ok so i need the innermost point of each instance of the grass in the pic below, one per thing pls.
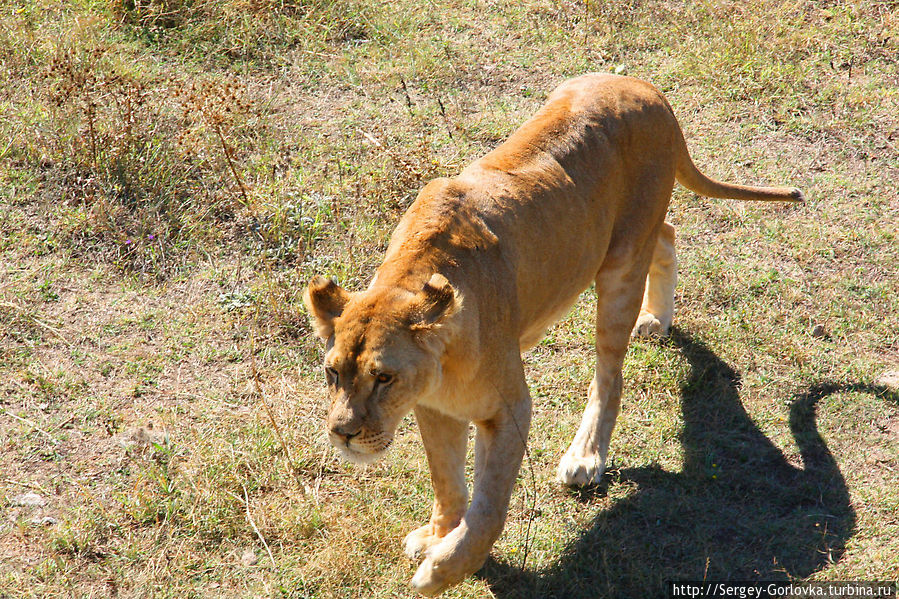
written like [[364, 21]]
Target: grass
[[173, 172]]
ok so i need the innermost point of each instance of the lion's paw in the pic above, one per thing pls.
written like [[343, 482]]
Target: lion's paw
[[445, 565], [429, 580], [417, 542], [649, 326], [579, 472]]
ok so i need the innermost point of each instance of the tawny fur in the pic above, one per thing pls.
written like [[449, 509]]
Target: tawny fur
[[478, 268]]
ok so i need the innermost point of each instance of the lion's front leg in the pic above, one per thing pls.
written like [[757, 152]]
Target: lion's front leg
[[500, 448], [445, 440]]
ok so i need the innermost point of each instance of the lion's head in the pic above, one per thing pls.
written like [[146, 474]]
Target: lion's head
[[383, 353]]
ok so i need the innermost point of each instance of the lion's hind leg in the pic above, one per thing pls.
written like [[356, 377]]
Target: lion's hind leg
[[618, 301], [657, 311]]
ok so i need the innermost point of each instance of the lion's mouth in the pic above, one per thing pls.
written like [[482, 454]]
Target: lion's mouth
[[358, 457], [357, 453]]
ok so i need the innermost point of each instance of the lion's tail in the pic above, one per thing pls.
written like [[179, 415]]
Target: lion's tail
[[690, 177]]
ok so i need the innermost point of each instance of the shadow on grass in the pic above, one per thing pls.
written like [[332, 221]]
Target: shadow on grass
[[737, 511]]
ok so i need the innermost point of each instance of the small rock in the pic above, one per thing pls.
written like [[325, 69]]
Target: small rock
[[140, 437], [877, 456], [248, 558], [889, 379], [29, 500], [817, 330], [45, 522]]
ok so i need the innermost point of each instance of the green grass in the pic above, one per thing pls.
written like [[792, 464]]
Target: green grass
[[173, 172]]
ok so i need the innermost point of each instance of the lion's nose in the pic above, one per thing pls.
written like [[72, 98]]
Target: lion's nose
[[345, 432]]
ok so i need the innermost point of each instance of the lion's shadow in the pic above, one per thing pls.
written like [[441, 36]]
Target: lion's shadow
[[738, 510]]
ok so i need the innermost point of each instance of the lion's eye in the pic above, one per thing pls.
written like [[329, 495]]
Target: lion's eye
[[383, 378], [331, 375]]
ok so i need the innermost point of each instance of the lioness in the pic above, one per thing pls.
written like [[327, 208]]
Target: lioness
[[477, 269]]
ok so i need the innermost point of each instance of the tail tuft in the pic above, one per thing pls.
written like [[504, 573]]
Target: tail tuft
[[798, 196]]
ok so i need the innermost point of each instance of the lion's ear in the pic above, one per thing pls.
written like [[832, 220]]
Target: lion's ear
[[325, 301], [436, 303]]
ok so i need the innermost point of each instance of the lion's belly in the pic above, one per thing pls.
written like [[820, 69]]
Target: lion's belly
[[559, 259], [532, 335], [537, 319]]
